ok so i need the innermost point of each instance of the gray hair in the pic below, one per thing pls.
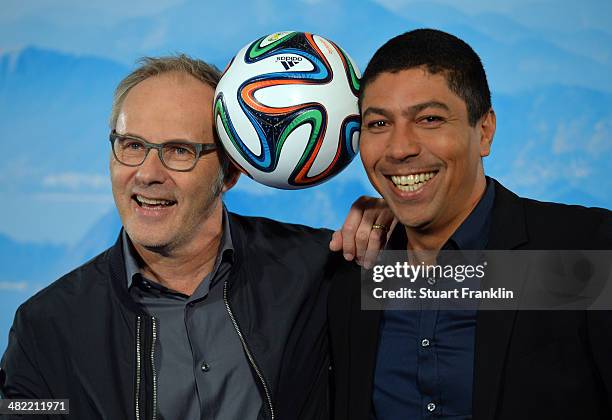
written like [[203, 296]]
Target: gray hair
[[182, 63]]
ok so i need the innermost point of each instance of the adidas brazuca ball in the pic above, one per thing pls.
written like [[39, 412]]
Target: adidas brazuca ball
[[286, 110]]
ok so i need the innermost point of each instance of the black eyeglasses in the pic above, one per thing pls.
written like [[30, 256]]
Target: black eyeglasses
[[176, 155]]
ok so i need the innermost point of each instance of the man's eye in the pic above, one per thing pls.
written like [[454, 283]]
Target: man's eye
[[180, 150], [376, 124], [431, 120], [132, 145]]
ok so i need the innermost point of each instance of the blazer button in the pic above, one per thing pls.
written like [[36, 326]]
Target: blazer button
[[205, 367]]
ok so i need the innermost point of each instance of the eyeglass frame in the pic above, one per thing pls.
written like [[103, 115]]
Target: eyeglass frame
[[200, 148]]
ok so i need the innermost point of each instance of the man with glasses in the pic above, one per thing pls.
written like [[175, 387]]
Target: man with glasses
[[195, 312]]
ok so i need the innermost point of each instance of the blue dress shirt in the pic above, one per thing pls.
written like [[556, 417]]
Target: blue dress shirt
[[425, 359]]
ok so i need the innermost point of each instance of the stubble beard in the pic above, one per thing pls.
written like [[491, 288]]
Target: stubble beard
[[167, 247]]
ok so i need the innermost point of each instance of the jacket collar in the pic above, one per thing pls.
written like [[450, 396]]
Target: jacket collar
[[118, 273], [118, 277], [508, 228], [494, 328]]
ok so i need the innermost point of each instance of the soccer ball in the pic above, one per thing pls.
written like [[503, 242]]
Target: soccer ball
[[286, 110]]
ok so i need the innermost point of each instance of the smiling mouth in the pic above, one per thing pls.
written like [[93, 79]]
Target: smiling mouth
[[412, 182], [152, 203]]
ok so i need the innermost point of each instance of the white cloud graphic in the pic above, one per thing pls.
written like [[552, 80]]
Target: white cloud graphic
[[76, 181], [74, 198], [13, 286]]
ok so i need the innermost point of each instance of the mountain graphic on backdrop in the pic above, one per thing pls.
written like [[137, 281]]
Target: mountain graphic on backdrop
[[552, 141], [526, 145]]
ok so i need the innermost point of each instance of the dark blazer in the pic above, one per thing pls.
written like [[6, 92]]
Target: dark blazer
[[528, 364], [85, 339]]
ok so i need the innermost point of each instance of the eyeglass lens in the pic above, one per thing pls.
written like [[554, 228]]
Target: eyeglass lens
[[131, 151]]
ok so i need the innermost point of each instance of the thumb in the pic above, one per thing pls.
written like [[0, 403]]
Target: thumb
[[336, 241]]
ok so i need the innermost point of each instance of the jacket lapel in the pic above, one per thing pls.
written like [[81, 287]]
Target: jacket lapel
[[363, 348], [494, 328]]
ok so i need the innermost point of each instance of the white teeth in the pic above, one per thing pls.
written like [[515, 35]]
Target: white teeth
[[152, 201], [409, 187], [412, 182]]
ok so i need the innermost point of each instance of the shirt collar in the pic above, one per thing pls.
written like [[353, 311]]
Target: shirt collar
[[131, 258], [473, 233]]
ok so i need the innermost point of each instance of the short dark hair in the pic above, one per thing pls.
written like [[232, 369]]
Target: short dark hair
[[437, 52]]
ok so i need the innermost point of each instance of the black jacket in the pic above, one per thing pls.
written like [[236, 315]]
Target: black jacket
[[528, 364], [83, 338]]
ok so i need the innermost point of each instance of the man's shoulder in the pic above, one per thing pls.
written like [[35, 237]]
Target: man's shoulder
[[72, 290], [570, 214], [548, 225], [269, 229], [303, 248], [575, 225]]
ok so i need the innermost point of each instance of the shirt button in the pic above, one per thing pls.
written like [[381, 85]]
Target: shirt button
[[431, 281], [424, 342], [431, 407], [205, 367]]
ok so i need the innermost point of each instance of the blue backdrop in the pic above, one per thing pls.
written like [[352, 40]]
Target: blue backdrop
[[549, 64]]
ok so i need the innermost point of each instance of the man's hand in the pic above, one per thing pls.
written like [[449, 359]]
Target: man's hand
[[357, 238]]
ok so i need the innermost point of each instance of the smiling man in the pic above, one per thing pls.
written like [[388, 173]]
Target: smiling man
[[427, 123], [423, 150], [195, 312], [170, 206]]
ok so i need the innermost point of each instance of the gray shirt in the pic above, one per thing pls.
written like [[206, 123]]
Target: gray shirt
[[203, 372]]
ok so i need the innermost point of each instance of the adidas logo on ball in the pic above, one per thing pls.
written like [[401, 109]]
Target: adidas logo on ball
[[288, 62]]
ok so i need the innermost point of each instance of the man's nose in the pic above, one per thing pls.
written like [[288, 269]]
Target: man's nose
[[152, 170], [403, 143]]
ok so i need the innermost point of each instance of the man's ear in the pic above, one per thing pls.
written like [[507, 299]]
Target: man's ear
[[486, 126], [231, 178]]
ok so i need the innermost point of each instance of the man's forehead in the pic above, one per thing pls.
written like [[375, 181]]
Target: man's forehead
[[417, 76], [174, 88], [415, 87], [168, 105]]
